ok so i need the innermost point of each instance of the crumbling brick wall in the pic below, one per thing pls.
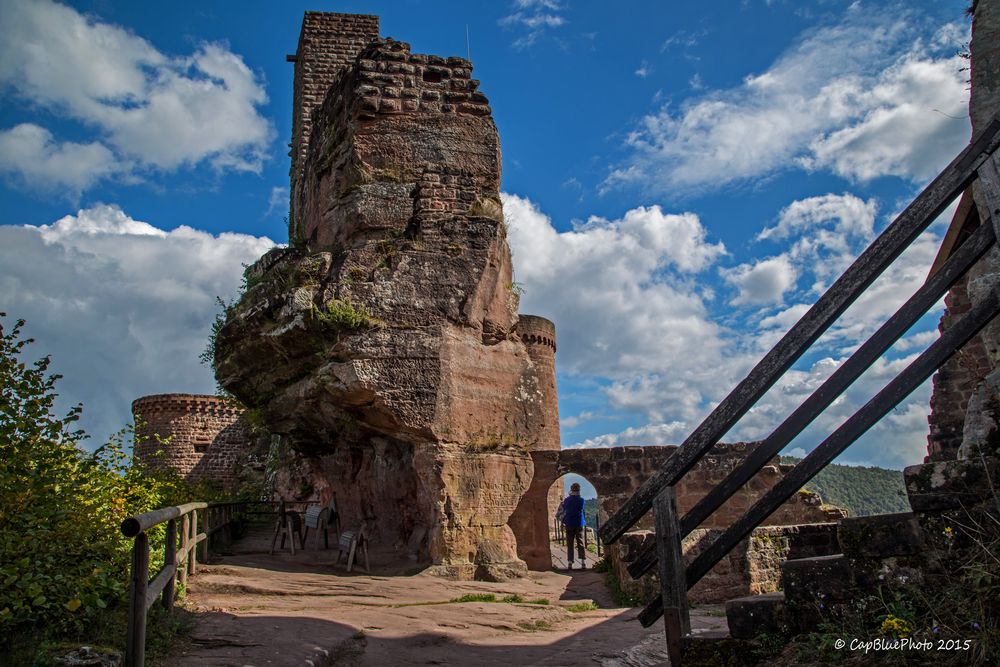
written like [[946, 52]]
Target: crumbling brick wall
[[328, 43]]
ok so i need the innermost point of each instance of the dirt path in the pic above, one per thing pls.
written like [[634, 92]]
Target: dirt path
[[255, 610]]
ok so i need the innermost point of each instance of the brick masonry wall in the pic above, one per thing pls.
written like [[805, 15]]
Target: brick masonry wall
[[208, 437], [954, 382], [328, 43], [417, 126]]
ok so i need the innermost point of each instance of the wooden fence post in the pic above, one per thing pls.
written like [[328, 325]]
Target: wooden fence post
[[185, 531], [673, 583], [192, 537], [205, 527], [135, 642], [170, 560]]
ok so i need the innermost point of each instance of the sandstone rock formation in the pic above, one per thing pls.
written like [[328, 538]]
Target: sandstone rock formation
[[384, 344]]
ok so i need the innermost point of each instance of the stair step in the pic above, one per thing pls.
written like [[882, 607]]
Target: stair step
[[755, 615], [881, 536], [719, 648], [817, 579], [950, 485]]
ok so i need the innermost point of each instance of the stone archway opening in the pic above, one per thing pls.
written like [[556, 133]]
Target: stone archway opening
[[557, 534]]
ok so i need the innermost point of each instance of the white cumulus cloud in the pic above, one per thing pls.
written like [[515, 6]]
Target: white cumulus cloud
[[866, 97], [32, 156], [761, 282], [159, 111], [123, 307]]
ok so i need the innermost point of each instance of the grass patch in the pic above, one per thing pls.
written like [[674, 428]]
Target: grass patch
[[514, 597], [581, 607], [534, 626], [476, 597]]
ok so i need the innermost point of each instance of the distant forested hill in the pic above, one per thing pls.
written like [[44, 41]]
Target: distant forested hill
[[590, 511], [861, 491]]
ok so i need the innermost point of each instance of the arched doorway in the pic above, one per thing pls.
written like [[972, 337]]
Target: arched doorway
[[593, 550]]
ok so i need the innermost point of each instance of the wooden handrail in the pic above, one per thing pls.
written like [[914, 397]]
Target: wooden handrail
[[915, 307], [178, 562], [880, 405], [979, 163], [930, 203]]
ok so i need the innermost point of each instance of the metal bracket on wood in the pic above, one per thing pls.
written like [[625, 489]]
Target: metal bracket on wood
[[986, 191]]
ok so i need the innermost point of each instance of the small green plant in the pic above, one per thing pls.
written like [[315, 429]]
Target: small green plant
[[342, 315], [476, 597], [534, 626], [542, 601], [516, 288], [581, 607], [620, 596], [513, 597], [602, 565]]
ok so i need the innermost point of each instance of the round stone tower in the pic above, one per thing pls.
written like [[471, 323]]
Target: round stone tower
[[539, 337], [208, 437]]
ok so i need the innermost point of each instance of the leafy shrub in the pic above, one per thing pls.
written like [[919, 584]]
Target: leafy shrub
[[63, 560]]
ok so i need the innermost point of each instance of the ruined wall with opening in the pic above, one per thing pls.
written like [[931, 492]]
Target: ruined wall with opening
[[617, 472], [965, 403]]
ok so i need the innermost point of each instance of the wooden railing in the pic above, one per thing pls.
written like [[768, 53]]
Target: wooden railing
[[181, 550], [979, 163]]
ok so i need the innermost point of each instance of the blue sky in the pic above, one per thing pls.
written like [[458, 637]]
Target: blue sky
[[681, 180]]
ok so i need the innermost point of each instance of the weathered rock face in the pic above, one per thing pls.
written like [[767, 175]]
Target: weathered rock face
[[384, 343]]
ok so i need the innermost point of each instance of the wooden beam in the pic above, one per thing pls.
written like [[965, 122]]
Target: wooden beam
[[673, 587], [881, 404], [865, 269], [922, 300]]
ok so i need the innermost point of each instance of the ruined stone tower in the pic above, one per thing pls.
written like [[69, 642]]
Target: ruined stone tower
[[383, 345], [207, 440], [539, 337]]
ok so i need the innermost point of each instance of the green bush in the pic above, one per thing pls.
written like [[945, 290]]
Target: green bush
[[63, 560]]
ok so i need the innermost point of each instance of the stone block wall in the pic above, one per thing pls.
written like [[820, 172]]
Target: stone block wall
[[617, 472], [208, 438], [751, 568], [955, 381], [328, 43]]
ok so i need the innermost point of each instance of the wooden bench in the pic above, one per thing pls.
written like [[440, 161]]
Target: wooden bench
[[350, 542], [322, 518]]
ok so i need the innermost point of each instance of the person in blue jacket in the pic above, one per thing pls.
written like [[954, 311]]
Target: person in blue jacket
[[572, 519]]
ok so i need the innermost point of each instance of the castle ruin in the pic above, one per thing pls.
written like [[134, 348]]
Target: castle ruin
[[383, 348]]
